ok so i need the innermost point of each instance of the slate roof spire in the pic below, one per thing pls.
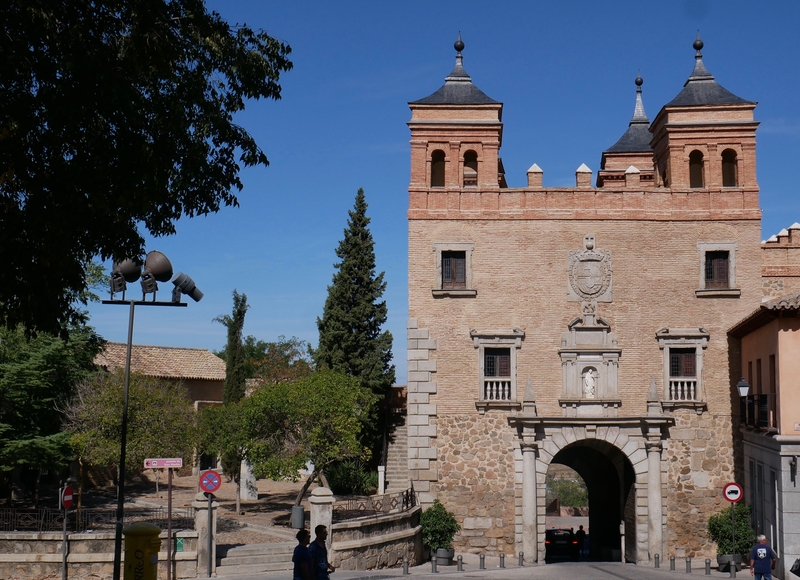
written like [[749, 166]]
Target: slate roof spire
[[637, 138], [701, 88], [458, 88]]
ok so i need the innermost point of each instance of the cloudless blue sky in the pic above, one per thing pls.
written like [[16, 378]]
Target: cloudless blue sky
[[564, 71]]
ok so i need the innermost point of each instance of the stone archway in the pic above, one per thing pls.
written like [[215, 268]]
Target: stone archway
[[626, 449], [610, 479]]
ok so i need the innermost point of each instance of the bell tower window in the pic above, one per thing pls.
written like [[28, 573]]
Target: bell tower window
[[696, 177], [730, 168], [470, 169], [437, 168]]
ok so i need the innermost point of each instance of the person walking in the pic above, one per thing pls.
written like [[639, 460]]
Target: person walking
[[580, 535], [302, 557], [762, 559], [320, 566]]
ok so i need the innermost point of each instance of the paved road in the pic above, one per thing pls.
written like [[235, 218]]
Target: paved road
[[559, 571]]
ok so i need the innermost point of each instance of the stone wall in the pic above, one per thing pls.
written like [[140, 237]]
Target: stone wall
[[476, 480], [698, 466], [91, 555], [377, 541]]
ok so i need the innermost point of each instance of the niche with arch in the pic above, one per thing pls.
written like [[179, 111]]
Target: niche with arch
[[437, 168], [696, 170]]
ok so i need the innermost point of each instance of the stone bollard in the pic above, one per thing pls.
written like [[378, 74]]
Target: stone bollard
[[521, 559], [204, 556], [733, 569], [405, 565], [482, 560], [657, 560], [460, 564], [672, 563], [708, 566], [321, 502], [688, 565], [502, 560]]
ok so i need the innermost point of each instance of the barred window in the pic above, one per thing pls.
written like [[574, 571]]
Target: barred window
[[682, 362], [497, 362], [454, 270], [717, 269]]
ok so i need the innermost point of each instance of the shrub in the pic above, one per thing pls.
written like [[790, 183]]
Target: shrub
[[351, 477], [719, 530], [439, 527]]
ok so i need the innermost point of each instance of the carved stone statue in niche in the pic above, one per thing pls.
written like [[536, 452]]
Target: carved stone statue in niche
[[589, 383], [589, 273]]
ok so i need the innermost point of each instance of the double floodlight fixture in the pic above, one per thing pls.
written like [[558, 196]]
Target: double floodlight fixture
[[157, 268]]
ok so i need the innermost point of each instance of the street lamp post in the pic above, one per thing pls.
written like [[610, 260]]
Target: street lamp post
[[157, 268]]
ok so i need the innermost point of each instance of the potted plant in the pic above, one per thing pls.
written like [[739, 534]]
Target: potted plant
[[439, 527], [720, 531]]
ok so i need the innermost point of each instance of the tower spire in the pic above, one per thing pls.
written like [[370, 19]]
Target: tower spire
[[639, 116], [700, 71]]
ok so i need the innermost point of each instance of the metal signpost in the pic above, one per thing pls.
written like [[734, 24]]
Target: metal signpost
[[210, 482], [169, 464], [65, 499], [733, 492]]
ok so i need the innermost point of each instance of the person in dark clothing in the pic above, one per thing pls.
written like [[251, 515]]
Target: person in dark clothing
[[762, 559], [302, 557], [320, 566], [580, 535]]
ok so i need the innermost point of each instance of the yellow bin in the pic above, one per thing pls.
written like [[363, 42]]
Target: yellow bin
[[141, 551]]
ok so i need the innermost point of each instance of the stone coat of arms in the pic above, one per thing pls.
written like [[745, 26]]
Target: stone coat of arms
[[589, 273]]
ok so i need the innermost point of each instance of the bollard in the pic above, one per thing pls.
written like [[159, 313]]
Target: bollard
[[688, 565], [482, 559], [521, 559], [733, 569], [502, 560], [672, 563], [405, 565], [460, 564], [708, 567], [657, 559], [433, 565]]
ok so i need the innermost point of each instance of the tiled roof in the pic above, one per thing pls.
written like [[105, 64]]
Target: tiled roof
[[457, 89], [767, 312], [164, 361]]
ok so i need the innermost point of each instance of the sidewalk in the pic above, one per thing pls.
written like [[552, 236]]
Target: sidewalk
[[512, 570]]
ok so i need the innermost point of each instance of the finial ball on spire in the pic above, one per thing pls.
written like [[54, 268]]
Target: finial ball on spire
[[459, 45], [698, 44], [639, 80]]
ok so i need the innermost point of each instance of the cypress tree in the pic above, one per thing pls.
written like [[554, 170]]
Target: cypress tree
[[235, 372], [350, 336]]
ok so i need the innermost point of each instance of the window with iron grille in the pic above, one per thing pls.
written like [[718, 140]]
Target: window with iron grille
[[682, 362], [454, 270], [717, 270], [497, 362]]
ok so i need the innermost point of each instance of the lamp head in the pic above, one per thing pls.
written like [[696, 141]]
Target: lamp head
[[157, 268], [185, 285], [743, 386], [125, 271]]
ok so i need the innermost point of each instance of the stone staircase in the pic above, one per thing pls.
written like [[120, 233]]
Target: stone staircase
[[397, 461], [255, 558]]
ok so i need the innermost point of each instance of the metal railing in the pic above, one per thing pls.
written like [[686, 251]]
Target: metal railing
[[760, 411], [82, 520], [362, 506]]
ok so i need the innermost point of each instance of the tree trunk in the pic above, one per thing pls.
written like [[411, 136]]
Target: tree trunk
[[80, 482], [323, 479], [36, 489], [239, 495], [305, 487]]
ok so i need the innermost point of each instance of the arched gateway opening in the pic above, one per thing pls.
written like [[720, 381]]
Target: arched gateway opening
[[609, 478]]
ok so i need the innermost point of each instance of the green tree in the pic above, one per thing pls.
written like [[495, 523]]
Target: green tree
[[318, 418], [115, 114], [235, 371], [571, 492], [286, 359], [223, 433], [38, 376], [161, 420], [719, 530], [350, 337]]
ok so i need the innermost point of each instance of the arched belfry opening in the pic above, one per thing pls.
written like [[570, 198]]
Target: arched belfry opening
[[609, 478]]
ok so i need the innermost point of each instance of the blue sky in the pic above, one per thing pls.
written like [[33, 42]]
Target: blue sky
[[564, 71]]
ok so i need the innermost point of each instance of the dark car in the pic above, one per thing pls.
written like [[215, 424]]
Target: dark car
[[560, 544]]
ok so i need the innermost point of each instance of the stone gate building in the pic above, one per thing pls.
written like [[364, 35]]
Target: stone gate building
[[584, 326]]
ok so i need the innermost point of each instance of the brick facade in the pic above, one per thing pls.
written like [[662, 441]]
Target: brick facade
[[668, 442]]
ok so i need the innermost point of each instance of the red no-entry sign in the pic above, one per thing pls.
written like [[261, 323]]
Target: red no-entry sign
[[66, 497], [210, 481]]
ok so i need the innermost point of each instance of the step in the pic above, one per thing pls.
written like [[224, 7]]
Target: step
[[253, 569], [263, 559], [271, 548]]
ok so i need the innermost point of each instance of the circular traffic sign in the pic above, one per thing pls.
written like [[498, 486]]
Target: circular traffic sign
[[733, 492], [66, 497], [210, 481]]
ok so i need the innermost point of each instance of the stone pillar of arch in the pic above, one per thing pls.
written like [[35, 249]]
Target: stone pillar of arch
[[655, 540], [529, 501]]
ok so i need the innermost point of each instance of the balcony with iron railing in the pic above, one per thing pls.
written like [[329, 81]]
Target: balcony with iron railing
[[760, 411]]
